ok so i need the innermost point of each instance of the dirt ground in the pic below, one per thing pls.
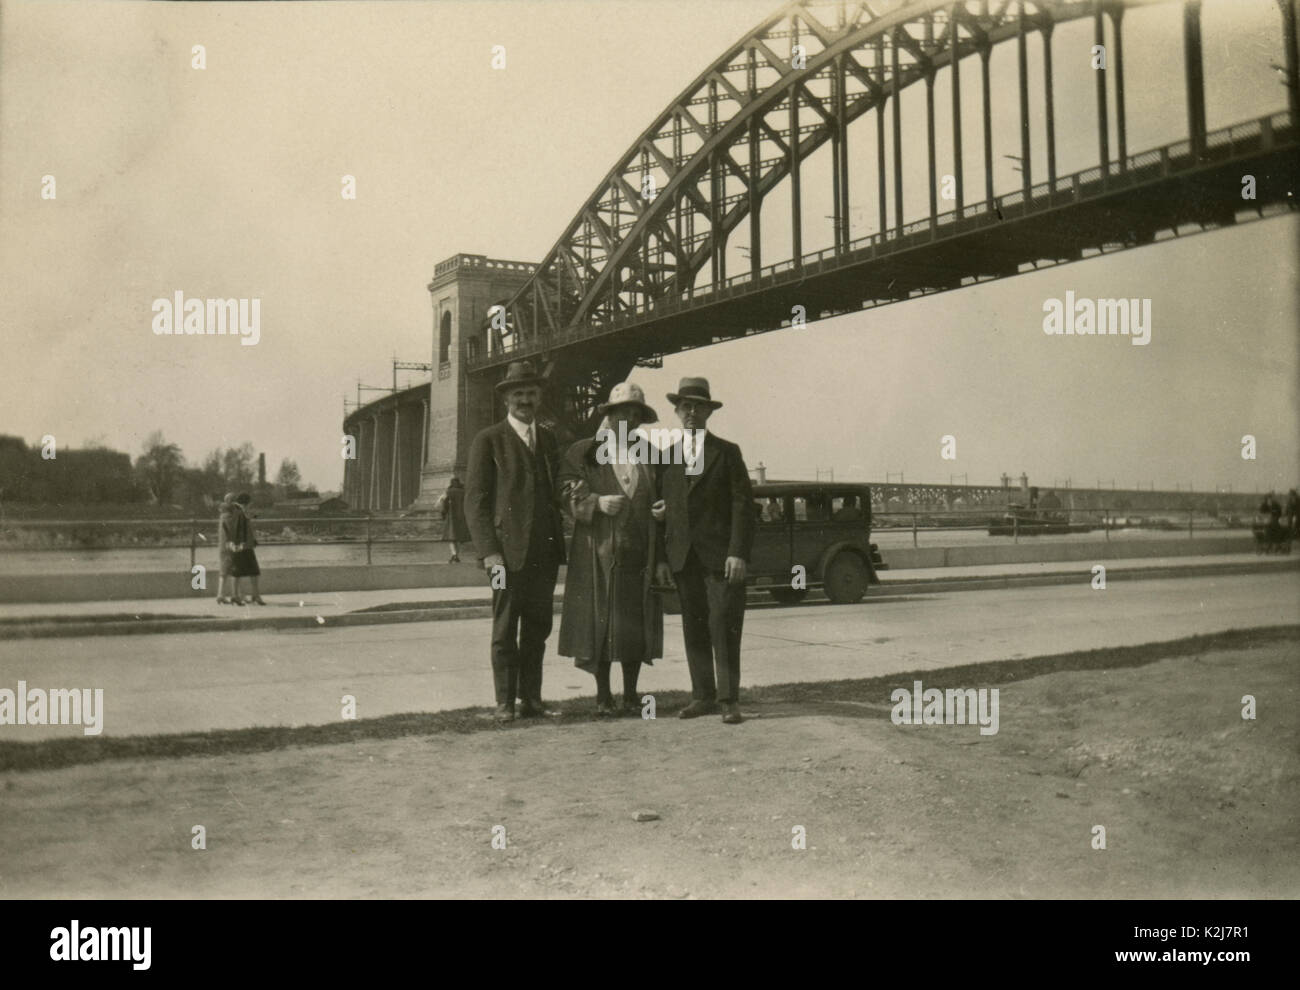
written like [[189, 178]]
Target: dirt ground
[[1195, 801]]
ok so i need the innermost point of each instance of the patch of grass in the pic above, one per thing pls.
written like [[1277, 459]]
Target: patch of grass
[[35, 620], [56, 753]]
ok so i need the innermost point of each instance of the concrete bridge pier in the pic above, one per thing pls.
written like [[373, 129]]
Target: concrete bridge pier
[[463, 289]]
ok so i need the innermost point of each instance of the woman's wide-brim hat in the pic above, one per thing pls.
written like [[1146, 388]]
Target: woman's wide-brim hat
[[520, 374], [696, 389], [629, 394]]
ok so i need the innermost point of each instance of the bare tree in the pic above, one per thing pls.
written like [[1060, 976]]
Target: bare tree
[[288, 477], [159, 467], [238, 465]]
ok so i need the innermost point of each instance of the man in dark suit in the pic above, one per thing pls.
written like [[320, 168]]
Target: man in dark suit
[[512, 507], [708, 517]]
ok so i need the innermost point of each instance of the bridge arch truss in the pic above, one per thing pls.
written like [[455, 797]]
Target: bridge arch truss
[[654, 233]]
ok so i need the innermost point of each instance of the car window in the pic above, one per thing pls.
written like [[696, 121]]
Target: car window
[[820, 507], [812, 508], [846, 508]]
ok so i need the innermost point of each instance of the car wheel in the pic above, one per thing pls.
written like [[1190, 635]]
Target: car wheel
[[846, 579], [788, 596]]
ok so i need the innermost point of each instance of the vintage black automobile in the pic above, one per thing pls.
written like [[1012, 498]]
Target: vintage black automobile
[[824, 528]]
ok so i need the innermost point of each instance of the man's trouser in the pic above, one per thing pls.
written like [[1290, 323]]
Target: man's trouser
[[522, 613], [713, 614]]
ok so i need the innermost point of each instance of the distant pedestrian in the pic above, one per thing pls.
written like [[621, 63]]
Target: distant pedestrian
[[1270, 507], [1293, 513], [1269, 532], [245, 560], [228, 514], [455, 530]]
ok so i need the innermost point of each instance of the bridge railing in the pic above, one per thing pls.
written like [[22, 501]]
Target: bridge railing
[[390, 538], [1258, 133], [361, 530], [1051, 522]]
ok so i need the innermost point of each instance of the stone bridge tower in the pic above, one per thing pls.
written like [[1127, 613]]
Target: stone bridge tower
[[463, 288]]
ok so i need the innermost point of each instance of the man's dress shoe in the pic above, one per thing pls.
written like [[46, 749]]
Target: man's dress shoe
[[532, 709]]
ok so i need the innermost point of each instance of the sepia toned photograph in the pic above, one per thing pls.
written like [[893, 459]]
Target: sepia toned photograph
[[650, 450]]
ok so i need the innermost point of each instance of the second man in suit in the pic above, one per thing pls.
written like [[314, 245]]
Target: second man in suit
[[513, 511], [708, 519]]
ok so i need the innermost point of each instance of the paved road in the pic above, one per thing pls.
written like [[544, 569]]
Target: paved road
[[198, 681]]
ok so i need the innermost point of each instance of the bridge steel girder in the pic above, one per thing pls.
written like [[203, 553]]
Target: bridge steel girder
[[599, 272], [1291, 47], [1000, 248], [1195, 75], [1099, 73], [680, 196]]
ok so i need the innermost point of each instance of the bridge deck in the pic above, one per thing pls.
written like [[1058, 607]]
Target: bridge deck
[[1076, 216]]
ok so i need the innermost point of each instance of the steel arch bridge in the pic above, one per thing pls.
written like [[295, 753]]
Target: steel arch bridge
[[641, 270]]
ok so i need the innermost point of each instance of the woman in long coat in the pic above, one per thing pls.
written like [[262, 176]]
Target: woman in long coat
[[244, 559], [225, 549], [455, 528], [610, 613]]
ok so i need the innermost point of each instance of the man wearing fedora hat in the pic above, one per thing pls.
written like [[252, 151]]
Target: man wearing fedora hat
[[512, 508], [708, 519]]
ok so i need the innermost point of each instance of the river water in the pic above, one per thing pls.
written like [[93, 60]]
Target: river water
[[132, 559]]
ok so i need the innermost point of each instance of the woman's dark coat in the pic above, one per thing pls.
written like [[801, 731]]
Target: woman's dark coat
[[610, 613], [245, 561], [454, 527]]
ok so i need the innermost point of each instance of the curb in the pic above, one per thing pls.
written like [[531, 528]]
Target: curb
[[975, 583], [54, 629]]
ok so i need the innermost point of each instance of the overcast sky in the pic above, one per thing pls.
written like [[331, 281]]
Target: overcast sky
[[225, 182]]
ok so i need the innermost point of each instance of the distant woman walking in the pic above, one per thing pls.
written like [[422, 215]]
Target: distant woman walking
[[225, 549], [244, 559], [455, 530]]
